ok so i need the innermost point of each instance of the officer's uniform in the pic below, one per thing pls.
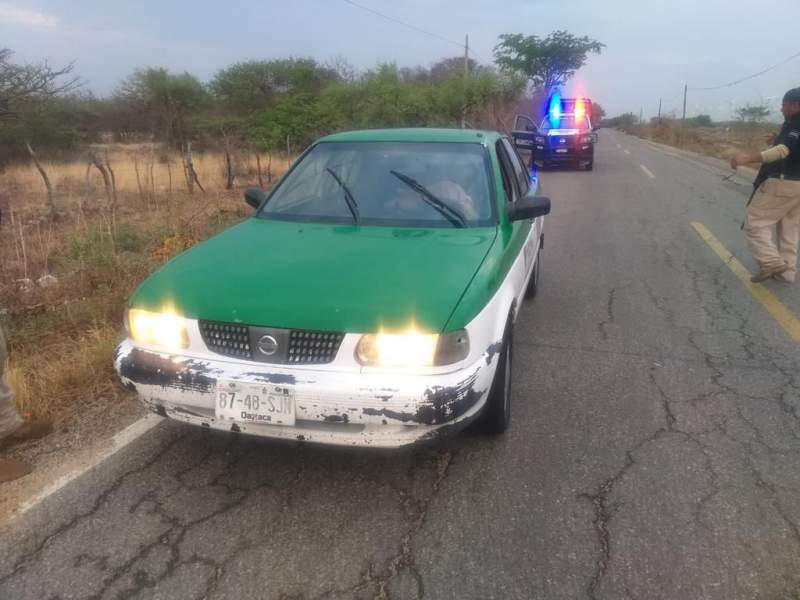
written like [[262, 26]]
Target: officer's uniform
[[777, 202]]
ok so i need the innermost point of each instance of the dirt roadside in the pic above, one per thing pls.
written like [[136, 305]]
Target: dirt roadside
[[73, 447]]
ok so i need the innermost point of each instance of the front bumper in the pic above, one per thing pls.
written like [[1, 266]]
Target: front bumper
[[549, 156], [332, 407]]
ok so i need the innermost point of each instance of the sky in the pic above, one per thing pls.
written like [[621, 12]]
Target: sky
[[654, 47]]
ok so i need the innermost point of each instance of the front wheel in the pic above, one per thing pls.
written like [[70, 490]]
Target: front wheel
[[497, 412]]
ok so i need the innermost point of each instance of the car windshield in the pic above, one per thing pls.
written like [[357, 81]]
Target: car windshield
[[399, 184], [565, 122]]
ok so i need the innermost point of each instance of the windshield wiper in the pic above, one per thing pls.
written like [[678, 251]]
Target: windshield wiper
[[348, 196], [451, 214]]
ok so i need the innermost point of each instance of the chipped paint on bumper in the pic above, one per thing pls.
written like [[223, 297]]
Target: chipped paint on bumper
[[343, 408]]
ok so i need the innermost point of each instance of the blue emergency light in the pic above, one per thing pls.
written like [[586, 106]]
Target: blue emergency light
[[555, 109]]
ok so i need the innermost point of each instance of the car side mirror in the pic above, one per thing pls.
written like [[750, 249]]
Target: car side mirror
[[595, 129], [529, 207], [254, 196]]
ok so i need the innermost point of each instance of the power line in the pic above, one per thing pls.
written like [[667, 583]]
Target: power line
[[749, 77], [410, 26]]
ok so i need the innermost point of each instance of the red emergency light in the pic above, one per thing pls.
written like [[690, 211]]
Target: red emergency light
[[580, 109]]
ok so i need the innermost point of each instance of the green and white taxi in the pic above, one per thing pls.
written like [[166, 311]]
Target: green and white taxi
[[370, 300]]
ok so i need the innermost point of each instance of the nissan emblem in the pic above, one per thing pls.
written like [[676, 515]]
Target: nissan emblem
[[267, 345]]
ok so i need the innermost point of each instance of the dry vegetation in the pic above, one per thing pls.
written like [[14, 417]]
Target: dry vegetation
[[62, 329], [721, 141]]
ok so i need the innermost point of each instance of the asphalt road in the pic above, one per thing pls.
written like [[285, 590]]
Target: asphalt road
[[654, 450]]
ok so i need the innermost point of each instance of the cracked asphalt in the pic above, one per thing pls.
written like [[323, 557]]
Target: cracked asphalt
[[654, 450]]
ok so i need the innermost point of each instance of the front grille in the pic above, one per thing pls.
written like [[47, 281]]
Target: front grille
[[313, 347], [227, 338], [294, 346]]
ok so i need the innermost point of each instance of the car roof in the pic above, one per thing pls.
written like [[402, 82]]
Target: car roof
[[415, 134]]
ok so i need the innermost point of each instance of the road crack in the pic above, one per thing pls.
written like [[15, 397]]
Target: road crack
[[404, 558]]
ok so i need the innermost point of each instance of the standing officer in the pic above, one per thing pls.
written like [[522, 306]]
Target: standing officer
[[776, 199]]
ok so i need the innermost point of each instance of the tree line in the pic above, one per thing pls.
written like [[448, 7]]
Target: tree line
[[279, 104]]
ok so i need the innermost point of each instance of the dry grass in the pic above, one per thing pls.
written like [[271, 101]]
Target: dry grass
[[138, 168], [61, 338], [720, 141]]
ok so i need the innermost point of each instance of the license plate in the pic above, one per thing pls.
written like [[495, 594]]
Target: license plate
[[255, 403], [561, 150]]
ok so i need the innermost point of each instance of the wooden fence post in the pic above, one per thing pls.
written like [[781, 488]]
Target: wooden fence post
[[188, 168], [51, 207], [258, 168], [111, 195]]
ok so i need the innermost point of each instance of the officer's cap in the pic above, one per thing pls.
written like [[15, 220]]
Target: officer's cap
[[792, 95]]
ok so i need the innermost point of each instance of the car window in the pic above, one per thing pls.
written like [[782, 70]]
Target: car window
[[507, 171], [391, 183], [520, 172]]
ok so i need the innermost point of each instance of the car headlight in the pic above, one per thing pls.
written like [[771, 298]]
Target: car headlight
[[412, 349], [587, 139], [162, 329], [539, 139]]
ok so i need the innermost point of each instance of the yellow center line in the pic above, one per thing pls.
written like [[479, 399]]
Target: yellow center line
[[785, 317]]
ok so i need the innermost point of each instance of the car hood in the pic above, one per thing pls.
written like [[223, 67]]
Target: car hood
[[318, 276]]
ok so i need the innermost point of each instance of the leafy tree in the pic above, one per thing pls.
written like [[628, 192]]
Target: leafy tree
[[701, 121], [598, 114], [164, 99], [383, 97], [623, 120], [254, 84], [450, 67], [289, 121], [546, 62], [752, 113]]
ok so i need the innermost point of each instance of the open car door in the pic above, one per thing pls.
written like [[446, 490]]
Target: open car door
[[523, 132]]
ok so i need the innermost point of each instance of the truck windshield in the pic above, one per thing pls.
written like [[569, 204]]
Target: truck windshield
[[397, 184], [565, 122]]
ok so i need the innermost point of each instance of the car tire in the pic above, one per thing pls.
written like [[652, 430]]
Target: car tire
[[497, 412], [533, 282]]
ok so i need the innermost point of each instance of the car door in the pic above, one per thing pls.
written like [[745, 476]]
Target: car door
[[517, 233], [523, 132], [523, 179]]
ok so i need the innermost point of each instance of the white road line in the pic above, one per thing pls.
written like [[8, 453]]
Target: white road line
[[627, 151], [647, 172], [128, 435]]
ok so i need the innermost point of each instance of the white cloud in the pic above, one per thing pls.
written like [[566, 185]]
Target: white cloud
[[23, 16]]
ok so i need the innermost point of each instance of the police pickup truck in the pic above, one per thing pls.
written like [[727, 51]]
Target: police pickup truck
[[565, 135]]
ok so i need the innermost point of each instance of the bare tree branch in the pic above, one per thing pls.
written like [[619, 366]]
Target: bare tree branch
[[21, 83]]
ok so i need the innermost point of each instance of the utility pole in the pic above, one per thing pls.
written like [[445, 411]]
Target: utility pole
[[683, 118], [466, 82], [641, 115], [659, 110], [685, 89]]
